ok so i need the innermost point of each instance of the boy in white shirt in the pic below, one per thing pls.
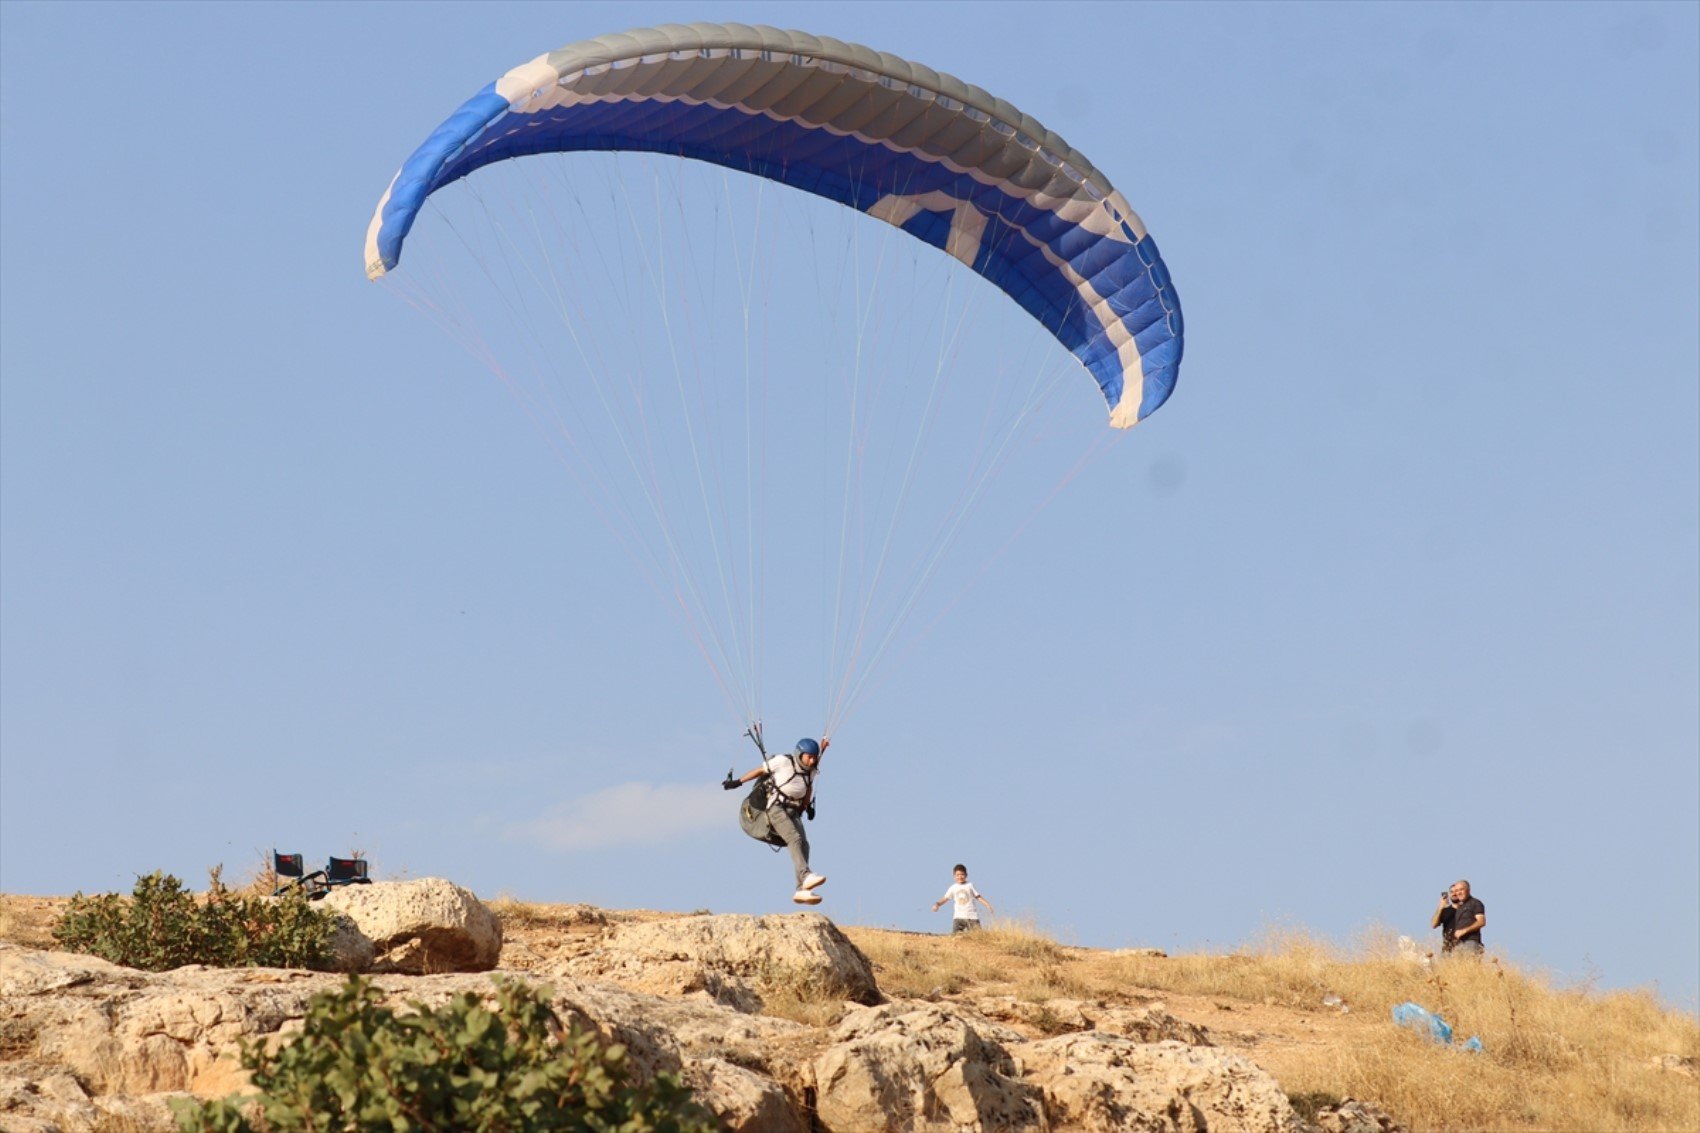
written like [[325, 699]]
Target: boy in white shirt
[[964, 917]]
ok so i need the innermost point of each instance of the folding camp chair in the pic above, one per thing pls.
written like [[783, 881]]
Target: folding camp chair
[[289, 866], [347, 871]]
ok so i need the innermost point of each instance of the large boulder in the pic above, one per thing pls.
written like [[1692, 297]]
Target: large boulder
[[744, 1101], [1108, 1084], [424, 927], [734, 959], [920, 1066]]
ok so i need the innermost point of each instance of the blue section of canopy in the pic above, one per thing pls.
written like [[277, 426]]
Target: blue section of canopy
[[1022, 250], [420, 175]]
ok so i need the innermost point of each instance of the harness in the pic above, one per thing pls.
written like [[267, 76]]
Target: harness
[[775, 797], [764, 796]]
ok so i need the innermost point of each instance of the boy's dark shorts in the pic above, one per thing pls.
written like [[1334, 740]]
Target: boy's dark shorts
[[962, 924]]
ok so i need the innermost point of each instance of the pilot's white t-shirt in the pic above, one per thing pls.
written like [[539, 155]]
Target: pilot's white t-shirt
[[788, 779]]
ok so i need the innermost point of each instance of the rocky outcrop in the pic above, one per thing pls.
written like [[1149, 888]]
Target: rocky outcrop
[[422, 927], [86, 1045], [83, 1038], [46, 1099]]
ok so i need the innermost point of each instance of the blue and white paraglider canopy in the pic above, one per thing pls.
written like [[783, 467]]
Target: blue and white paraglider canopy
[[943, 160]]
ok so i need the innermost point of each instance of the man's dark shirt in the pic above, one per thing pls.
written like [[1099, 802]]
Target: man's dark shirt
[[1462, 916]]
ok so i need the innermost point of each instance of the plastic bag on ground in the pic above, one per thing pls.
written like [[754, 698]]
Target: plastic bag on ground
[[1422, 1021], [1425, 1022]]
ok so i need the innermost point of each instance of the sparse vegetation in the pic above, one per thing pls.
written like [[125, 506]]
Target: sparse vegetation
[[462, 1067], [162, 925]]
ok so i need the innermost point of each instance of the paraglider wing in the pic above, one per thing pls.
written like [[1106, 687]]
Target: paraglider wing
[[942, 160]]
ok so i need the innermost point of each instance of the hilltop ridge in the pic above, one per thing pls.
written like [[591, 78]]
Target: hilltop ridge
[[772, 1022]]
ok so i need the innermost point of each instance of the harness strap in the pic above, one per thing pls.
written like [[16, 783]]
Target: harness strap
[[778, 798]]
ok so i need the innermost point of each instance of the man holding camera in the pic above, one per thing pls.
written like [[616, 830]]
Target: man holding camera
[[1460, 918]]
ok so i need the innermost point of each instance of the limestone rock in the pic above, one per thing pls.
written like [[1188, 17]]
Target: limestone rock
[[1674, 1064], [916, 1066], [1355, 1117], [38, 1098], [351, 949], [89, 1045], [1149, 1023], [734, 959], [744, 1101], [1108, 1084], [422, 927], [35, 1098], [123, 1032]]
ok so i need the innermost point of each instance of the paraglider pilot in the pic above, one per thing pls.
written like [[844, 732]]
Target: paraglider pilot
[[790, 795]]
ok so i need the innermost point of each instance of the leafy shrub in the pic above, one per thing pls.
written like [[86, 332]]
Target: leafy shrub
[[458, 1068], [161, 925]]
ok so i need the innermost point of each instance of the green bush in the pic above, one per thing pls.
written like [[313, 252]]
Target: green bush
[[460, 1068], [161, 925]]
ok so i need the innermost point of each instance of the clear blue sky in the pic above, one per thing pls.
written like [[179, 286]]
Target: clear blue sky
[[1406, 577]]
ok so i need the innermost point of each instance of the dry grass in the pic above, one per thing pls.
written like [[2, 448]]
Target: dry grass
[[263, 879], [907, 970], [28, 921], [802, 995], [1555, 1058], [1023, 940], [1014, 959], [512, 911]]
